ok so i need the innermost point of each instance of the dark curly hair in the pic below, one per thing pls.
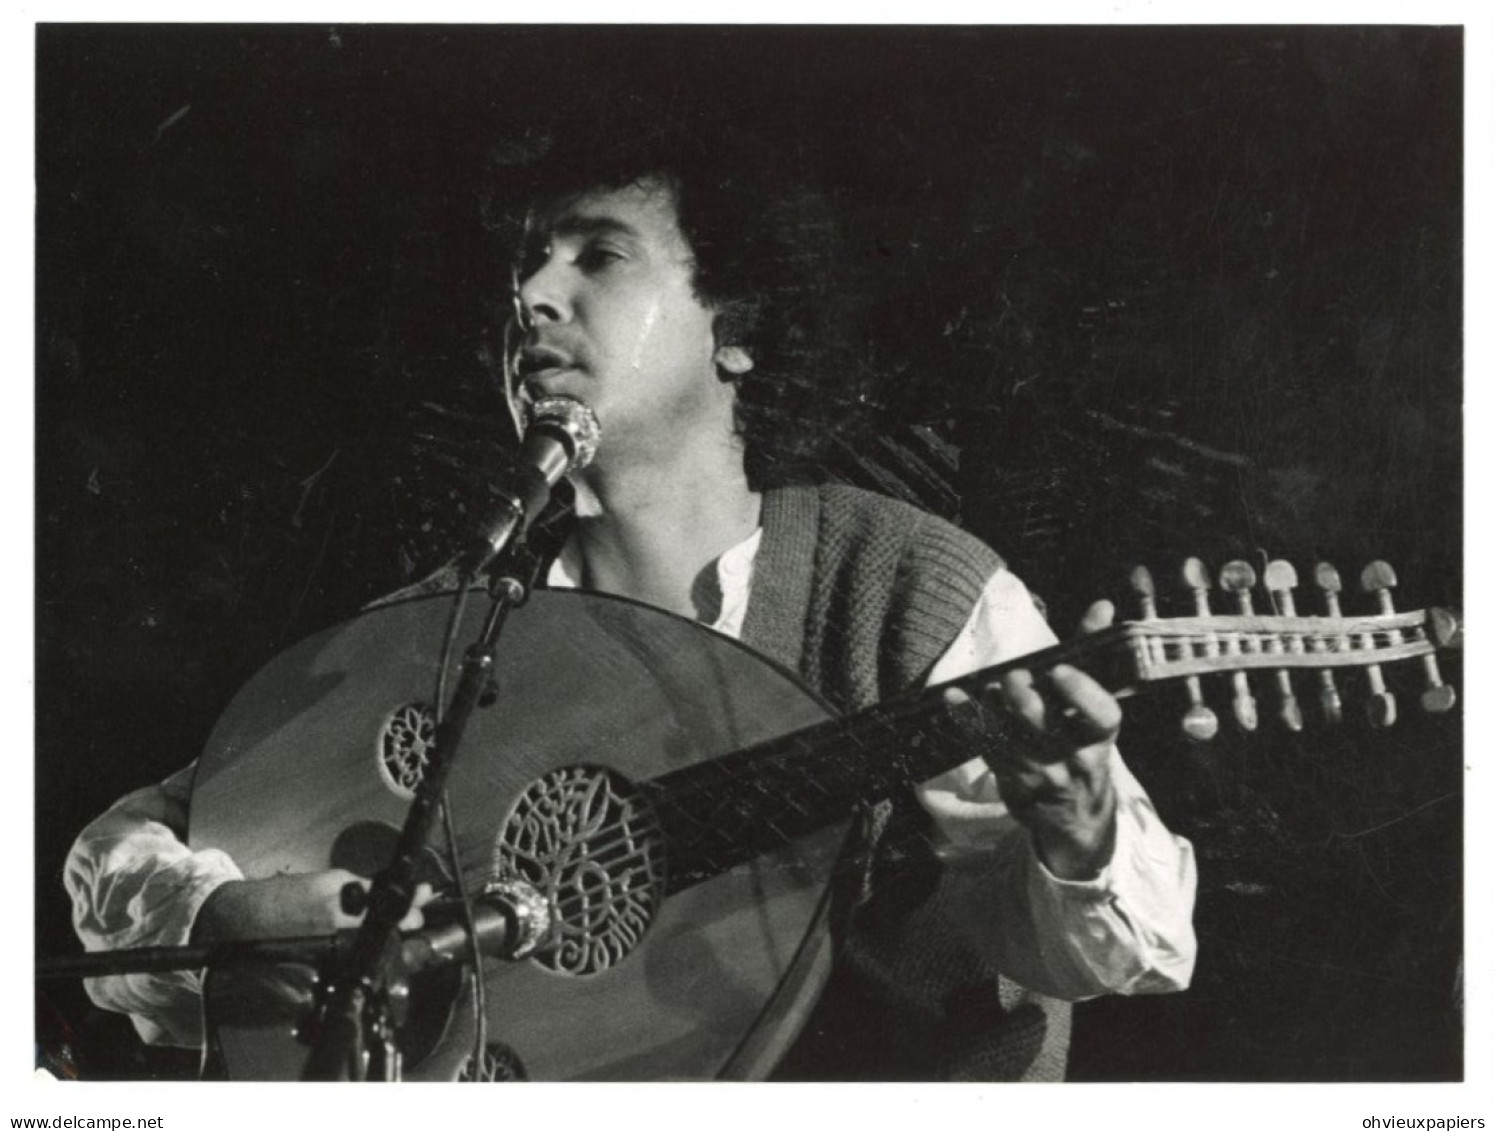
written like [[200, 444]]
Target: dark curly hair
[[767, 262]]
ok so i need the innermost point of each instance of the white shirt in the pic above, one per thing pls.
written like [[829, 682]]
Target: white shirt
[[134, 882]]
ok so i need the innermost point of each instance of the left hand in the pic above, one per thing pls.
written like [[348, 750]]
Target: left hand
[[1051, 736]]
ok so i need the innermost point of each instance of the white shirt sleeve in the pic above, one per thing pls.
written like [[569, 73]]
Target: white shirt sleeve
[[134, 882], [1130, 929]]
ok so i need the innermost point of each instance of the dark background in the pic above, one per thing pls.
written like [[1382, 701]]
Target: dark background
[[1135, 294]]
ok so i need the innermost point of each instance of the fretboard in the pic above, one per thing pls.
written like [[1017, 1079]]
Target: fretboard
[[722, 812]]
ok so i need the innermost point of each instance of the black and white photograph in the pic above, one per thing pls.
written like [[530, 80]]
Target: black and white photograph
[[841, 553]]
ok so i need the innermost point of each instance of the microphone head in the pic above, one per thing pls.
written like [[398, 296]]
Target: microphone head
[[572, 418]]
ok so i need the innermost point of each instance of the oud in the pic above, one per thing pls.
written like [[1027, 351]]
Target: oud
[[676, 801]]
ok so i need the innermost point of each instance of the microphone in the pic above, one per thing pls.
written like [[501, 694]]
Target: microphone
[[561, 435], [511, 919]]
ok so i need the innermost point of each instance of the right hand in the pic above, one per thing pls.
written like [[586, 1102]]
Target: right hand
[[288, 906], [278, 907]]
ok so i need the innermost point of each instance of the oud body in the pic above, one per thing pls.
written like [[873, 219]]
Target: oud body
[[653, 974]]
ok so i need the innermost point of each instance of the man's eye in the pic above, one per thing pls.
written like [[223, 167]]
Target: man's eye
[[595, 256]]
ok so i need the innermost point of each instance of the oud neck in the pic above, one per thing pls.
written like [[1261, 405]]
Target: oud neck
[[730, 809]]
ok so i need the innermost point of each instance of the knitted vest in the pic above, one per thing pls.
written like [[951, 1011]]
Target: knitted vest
[[859, 593], [862, 595]]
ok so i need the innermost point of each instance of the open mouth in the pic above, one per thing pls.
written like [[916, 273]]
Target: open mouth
[[535, 363], [543, 371]]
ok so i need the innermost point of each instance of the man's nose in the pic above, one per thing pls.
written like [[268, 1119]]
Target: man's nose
[[541, 296]]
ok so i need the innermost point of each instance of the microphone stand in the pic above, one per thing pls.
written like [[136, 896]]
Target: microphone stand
[[357, 997], [420, 950], [309, 950], [367, 988], [562, 435]]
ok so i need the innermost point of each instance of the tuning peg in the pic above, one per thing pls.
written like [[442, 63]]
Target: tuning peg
[[1197, 579], [1140, 579], [1437, 697], [1281, 579], [1326, 577], [1238, 577], [1379, 578], [1199, 721], [1443, 630]]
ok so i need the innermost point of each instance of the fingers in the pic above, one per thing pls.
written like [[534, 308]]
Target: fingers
[[1047, 739], [1026, 718], [1091, 714], [955, 697], [342, 895], [1097, 616], [1062, 711], [277, 906], [1018, 691], [414, 919], [352, 904]]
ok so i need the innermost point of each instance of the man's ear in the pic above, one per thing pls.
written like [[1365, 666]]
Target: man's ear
[[733, 360]]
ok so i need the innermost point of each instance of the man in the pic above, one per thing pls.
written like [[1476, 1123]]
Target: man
[[656, 287]]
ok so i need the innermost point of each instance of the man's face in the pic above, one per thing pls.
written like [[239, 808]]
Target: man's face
[[608, 315]]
